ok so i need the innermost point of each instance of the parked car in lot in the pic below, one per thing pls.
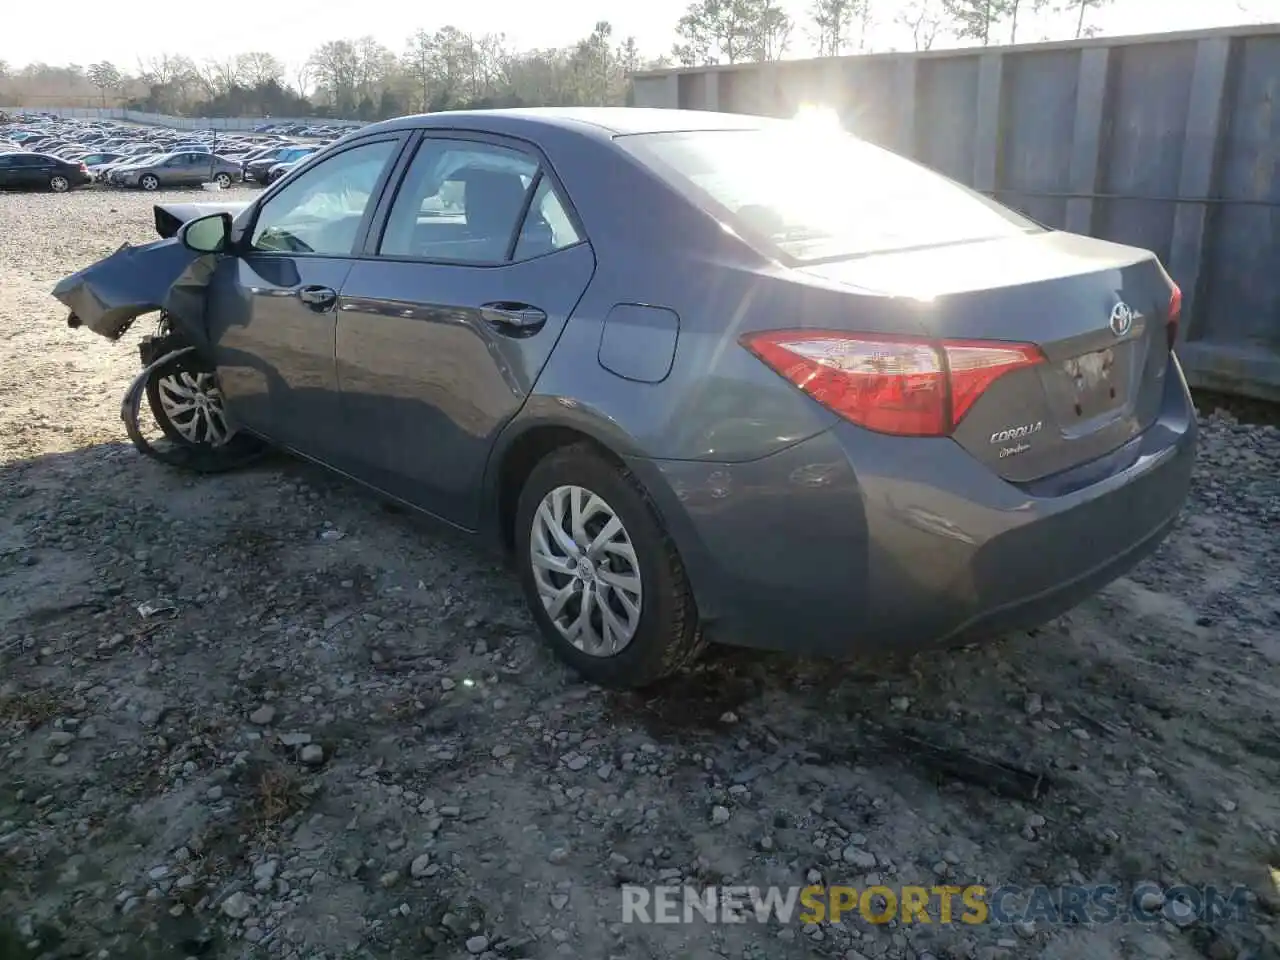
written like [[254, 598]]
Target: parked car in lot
[[110, 173], [259, 168], [872, 411], [180, 169], [38, 171]]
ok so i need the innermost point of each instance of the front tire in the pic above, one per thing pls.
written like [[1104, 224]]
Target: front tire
[[187, 405], [149, 182], [59, 184], [602, 578]]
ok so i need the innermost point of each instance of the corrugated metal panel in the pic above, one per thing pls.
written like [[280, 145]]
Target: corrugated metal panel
[[1242, 282]]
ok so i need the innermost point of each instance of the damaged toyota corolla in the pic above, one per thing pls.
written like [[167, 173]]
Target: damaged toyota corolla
[[862, 408]]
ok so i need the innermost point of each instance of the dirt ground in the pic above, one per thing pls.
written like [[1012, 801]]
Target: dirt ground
[[345, 739]]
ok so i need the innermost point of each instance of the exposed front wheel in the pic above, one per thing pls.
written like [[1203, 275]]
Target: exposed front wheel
[[223, 180], [602, 578], [149, 182], [59, 184]]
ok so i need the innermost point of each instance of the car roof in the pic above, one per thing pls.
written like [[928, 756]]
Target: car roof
[[603, 122]]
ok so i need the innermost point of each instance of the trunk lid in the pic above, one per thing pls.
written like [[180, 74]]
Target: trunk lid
[[1102, 382]]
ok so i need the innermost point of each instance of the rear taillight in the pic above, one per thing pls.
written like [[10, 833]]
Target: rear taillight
[[908, 386], [1175, 314]]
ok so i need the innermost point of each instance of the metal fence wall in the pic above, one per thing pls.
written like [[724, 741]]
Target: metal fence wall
[[1170, 142]]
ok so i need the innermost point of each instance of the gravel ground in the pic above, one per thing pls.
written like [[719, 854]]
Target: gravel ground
[[344, 739]]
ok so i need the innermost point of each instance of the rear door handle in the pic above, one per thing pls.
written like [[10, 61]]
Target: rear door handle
[[318, 298], [514, 317]]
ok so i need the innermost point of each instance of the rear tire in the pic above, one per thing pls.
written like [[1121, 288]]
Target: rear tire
[[633, 574], [59, 183], [223, 180]]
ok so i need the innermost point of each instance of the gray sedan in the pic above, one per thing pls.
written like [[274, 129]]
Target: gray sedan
[[704, 376], [182, 170]]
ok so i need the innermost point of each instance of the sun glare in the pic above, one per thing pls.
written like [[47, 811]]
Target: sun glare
[[819, 118]]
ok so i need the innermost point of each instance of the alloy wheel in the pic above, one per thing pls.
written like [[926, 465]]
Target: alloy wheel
[[586, 570], [59, 184], [223, 181], [149, 183], [193, 404]]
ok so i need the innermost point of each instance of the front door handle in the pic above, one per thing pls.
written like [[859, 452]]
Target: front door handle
[[514, 317], [318, 298]]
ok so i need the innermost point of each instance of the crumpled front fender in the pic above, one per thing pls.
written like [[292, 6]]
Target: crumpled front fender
[[109, 295]]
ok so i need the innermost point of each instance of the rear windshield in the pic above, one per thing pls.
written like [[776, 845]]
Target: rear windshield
[[821, 195]]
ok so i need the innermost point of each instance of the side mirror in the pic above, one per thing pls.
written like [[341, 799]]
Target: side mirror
[[211, 234]]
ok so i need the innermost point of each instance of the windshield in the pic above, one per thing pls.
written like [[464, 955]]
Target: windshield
[[821, 195]]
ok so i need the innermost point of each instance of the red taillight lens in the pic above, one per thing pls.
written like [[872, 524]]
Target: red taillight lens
[[908, 386], [1175, 314]]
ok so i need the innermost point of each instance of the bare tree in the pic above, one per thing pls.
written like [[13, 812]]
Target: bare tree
[[105, 76], [1016, 7], [1080, 10], [256, 69], [924, 19], [977, 19], [773, 32], [834, 19]]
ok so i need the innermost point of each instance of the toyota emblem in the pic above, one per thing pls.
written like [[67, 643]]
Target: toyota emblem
[[1121, 319]]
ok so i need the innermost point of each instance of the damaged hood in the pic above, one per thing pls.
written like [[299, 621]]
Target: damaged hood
[[109, 295]]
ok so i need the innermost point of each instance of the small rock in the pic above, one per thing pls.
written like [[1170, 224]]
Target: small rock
[[500, 751], [728, 717], [1226, 806], [237, 906], [1033, 705], [559, 901], [312, 754], [266, 871], [59, 759], [558, 855], [1151, 900], [447, 684], [576, 762], [389, 879], [263, 715], [1080, 733], [477, 945], [719, 815], [60, 738], [863, 859], [418, 868], [900, 704], [604, 771]]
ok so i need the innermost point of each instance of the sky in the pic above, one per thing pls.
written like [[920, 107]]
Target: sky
[[85, 35]]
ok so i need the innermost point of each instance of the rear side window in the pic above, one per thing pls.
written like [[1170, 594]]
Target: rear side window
[[461, 201], [820, 195]]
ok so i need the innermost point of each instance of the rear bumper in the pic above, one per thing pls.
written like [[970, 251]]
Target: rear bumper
[[853, 541]]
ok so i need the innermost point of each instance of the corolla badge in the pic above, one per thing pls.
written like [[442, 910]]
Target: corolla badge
[[1121, 319], [1017, 433]]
